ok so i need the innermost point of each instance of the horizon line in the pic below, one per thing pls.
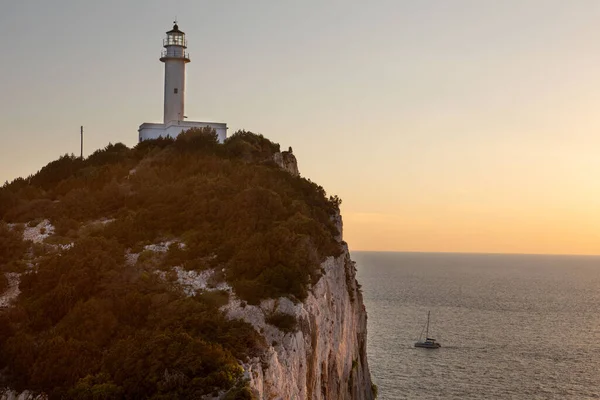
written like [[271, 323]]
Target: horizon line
[[476, 253]]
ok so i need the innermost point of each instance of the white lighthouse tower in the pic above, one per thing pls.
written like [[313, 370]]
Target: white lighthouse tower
[[175, 58]]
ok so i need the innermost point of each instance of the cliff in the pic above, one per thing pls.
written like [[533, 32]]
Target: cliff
[[178, 269], [326, 358]]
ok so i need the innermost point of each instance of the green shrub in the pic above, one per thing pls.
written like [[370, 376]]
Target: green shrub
[[12, 246], [3, 282], [285, 322], [111, 154], [241, 392], [374, 390], [197, 140], [58, 240], [248, 145], [64, 226], [63, 168], [147, 146], [8, 200], [216, 298], [27, 210]]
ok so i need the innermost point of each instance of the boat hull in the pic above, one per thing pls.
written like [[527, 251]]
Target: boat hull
[[428, 345]]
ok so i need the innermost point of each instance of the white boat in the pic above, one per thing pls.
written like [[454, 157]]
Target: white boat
[[428, 343]]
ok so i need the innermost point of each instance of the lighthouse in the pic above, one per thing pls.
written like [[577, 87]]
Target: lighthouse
[[175, 57]]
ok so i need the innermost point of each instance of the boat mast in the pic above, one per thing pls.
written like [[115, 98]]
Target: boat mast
[[427, 329]]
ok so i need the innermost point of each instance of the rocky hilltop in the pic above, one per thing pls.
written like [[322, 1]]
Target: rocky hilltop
[[178, 269]]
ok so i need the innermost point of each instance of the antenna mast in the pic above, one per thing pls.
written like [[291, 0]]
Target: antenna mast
[[81, 156]]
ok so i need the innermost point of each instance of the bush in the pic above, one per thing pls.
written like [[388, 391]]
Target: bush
[[249, 146], [216, 299], [8, 200], [285, 322], [111, 154], [241, 392], [3, 282], [64, 226], [374, 390], [12, 246], [147, 146], [27, 210], [197, 140], [63, 168]]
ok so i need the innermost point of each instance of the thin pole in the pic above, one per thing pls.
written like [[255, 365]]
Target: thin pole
[[81, 142]]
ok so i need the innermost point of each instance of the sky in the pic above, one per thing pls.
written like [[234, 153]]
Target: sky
[[444, 125]]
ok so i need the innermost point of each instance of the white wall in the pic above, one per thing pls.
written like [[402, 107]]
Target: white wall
[[174, 79], [154, 131]]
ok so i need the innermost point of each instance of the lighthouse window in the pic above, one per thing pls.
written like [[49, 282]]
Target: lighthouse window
[[176, 90]]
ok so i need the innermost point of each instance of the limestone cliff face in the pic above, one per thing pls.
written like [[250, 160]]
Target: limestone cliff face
[[326, 357]]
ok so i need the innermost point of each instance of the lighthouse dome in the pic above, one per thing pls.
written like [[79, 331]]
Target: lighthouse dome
[[176, 30]]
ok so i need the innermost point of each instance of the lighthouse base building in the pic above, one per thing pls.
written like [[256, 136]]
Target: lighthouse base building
[[150, 130], [175, 58]]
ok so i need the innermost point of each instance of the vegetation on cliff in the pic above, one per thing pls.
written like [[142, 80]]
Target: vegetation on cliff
[[91, 325]]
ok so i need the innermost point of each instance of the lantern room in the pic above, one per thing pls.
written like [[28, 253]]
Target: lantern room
[[175, 37], [175, 45]]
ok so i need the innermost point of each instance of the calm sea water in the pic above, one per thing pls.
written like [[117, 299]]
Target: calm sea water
[[511, 326]]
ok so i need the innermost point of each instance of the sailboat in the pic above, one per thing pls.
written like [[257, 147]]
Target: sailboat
[[429, 343]]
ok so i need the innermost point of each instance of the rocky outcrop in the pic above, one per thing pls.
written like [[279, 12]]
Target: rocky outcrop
[[12, 292], [287, 161], [10, 395], [325, 357]]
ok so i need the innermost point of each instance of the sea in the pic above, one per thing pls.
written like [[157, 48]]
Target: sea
[[510, 326]]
